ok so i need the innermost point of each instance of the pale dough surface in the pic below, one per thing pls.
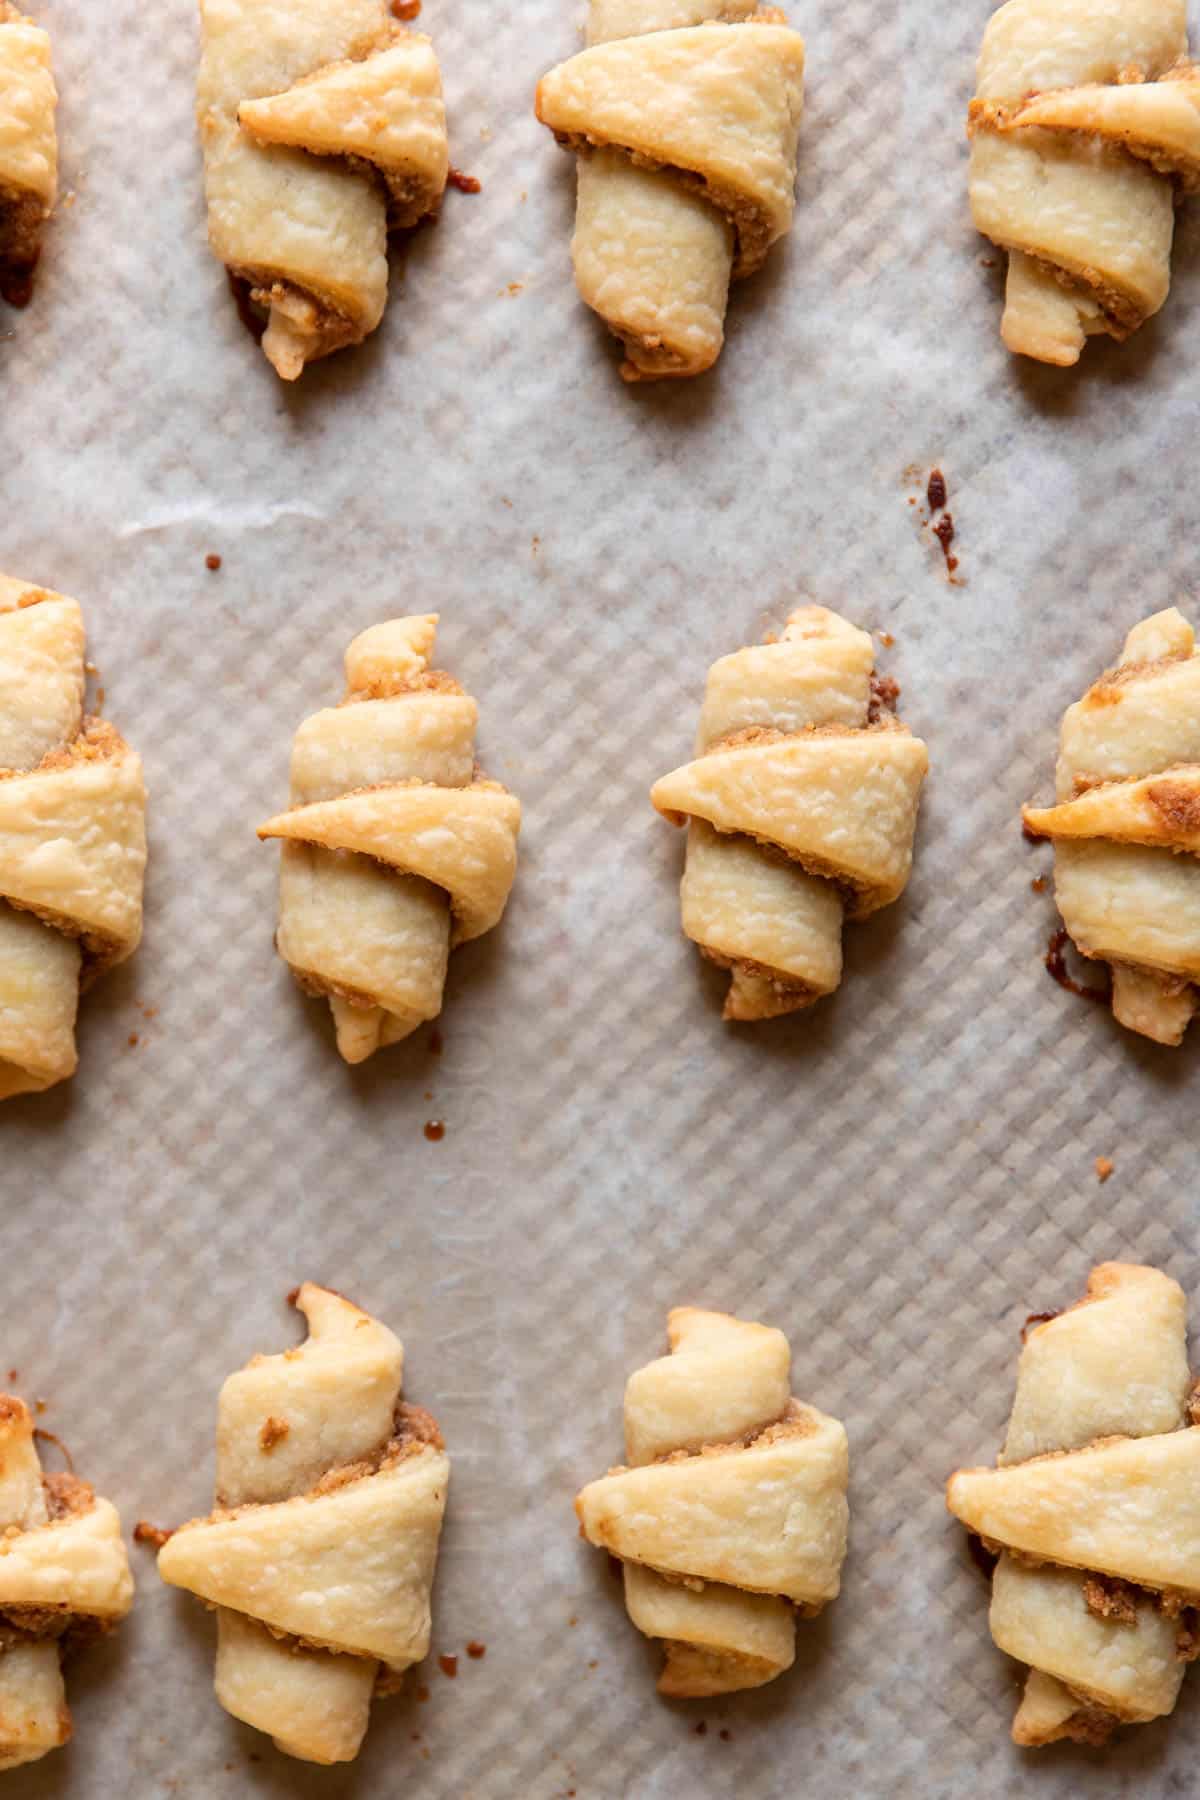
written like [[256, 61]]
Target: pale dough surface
[[61, 1549], [1094, 1475], [1086, 117], [687, 115], [395, 848], [320, 1554], [733, 1504], [1126, 829], [801, 806], [315, 121], [72, 838]]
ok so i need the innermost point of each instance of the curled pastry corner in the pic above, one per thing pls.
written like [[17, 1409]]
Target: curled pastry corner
[[322, 129], [28, 149], [801, 809], [1126, 826], [1085, 130], [685, 115], [1092, 1511], [320, 1553], [64, 1577], [72, 838], [396, 848], [731, 1514]]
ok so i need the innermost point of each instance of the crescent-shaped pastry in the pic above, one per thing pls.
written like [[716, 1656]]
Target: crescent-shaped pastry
[[686, 116], [396, 847], [320, 1555], [1126, 828], [731, 1513], [801, 809], [28, 149], [1084, 129], [322, 124], [72, 838], [1094, 1510], [64, 1578]]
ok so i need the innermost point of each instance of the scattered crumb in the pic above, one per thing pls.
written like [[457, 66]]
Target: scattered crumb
[[1038, 884], [153, 1535], [466, 184], [212, 561], [406, 9], [987, 262], [725, 1735], [273, 1432], [40, 1406], [435, 1130], [594, 1664], [886, 639], [422, 1694], [449, 1666], [505, 502], [535, 543], [935, 491], [701, 1729], [14, 1373], [571, 1621], [134, 1040], [1104, 1168], [516, 287], [476, 1650]]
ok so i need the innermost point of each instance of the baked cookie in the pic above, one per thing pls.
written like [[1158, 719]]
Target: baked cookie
[[64, 1579], [1093, 1510], [322, 125], [28, 149], [685, 115], [801, 809], [320, 1555], [731, 1513], [1126, 828], [1085, 130], [72, 838], [397, 848]]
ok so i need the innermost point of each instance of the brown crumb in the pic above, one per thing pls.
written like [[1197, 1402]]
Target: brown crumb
[[943, 531], [134, 1040], [449, 1666], [935, 491], [466, 184], [886, 639], [273, 1432], [476, 1650], [212, 561], [153, 1535], [725, 1735], [885, 691], [1104, 1168], [1036, 1319], [535, 544], [571, 1621], [422, 1694], [700, 1729], [435, 1130], [407, 10], [437, 1042], [14, 1374], [1038, 884]]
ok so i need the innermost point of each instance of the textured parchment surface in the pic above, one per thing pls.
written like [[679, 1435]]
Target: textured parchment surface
[[895, 1179]]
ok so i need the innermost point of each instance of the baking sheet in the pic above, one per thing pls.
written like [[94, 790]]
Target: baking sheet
[[895, 1178]]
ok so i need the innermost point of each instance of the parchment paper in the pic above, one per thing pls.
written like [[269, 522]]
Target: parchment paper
[[895, 1178]]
